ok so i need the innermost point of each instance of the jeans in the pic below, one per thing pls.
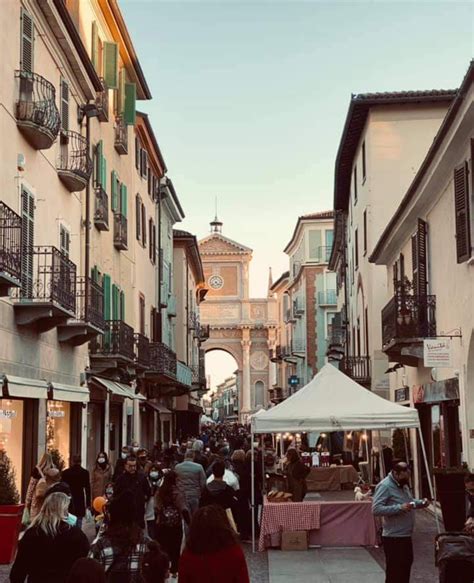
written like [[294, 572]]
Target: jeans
[[398, 558]]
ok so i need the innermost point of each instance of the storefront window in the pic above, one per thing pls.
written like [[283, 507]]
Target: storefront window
[[58, 429], [11, 434]]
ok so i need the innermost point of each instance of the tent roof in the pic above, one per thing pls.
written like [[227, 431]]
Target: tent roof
[[334, 402]]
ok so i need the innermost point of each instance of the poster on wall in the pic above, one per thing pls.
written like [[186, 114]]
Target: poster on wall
[[437, 353]]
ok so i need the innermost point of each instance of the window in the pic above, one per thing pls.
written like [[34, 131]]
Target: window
[[462, 213], [152, 238], [356, 246], [355, 185], [143, 163], [115, 187], [259, 393], [314, 238], [100, 166], [364, 167], [419, 259], [143, 225], [27, 241], [64, 240], [64, 105], [138, 217], [150, 182], [107, 287], [365, 231], [141, 308], [27, 42]]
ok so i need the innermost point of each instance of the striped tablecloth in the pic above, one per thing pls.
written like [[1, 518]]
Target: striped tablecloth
[[280, 516]]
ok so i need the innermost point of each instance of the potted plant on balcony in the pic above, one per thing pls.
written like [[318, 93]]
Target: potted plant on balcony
[[10, 510], [452, 497]]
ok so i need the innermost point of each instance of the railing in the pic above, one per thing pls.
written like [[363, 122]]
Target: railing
[[142, 350], [337, 337], [356, 367], [10, 242], [102, 102], [324, 254], [101, 209], [407, 316], [203, 332], [92, 310], [74, 155], [37, 102], [184, 374], [121, 135], [47, 276], [327, 298], [162, 359], [117, 340], [120, 231], [193, 321]]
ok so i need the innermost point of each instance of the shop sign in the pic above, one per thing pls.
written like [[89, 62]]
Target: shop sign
[[56, 414], [402, 394], [293, 381], [7, 414], [437, 353], [447, 390]]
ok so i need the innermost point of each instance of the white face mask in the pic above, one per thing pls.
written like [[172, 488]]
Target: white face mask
[[135, 449], [154, 475], [124, 455], [101, 460]]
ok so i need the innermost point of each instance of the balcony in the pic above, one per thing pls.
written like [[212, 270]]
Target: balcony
[[120, 232], [142, 351], [89, 320], [114, 348], [357, 368], [327, 298], [102, 103], [406, 321], [184, 376], [101, 209], [10, 249], [298, 346], [287, 355], [276, 395], [163, 368], [37, 116], [276, 354], [47, 296], [75, 164], [203, 332], [121, 136], [324, 254], [199, 381]]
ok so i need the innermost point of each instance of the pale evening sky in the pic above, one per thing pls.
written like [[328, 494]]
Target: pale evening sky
[[249, 98]]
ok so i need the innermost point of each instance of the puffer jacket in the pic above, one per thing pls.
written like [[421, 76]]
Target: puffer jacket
[[191, 479]]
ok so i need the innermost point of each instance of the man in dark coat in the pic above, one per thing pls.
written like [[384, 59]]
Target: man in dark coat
[[218, 492], [78, 480], [137, 484]]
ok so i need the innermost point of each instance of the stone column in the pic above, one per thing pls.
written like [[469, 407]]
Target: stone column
[[245, 406]]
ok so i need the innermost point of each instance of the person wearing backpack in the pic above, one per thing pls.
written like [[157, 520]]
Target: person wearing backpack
[[171, 508]]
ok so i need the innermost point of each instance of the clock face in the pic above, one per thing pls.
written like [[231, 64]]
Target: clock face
[[216, 282]]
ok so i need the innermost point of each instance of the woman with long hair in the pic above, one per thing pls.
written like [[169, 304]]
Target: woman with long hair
[[212, 552], [50, 546], [32, 505], [170, 509], [296, 473], [101, 475]]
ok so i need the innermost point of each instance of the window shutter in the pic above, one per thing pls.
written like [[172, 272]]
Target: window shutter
[[114, 191], [419, 260], [111, 65], [138, 218], [123, 199], [98, 162], [150, 238], [153, 258], [103, 179], [143, 225], [120, 105], [130, 98], [115, 302], [64, 240], [95, 274], [27, 241], [95, 46], [122, 306], [64, 105], [106, 284], [462, 213], [27, 42], [137, 154]]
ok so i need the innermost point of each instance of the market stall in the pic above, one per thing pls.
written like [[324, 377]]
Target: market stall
[[332, 402], [331, 478]]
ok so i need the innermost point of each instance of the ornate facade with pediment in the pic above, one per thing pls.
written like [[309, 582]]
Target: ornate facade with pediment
[[242, 326]]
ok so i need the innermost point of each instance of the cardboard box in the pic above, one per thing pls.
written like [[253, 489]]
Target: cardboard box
[[296, 540]]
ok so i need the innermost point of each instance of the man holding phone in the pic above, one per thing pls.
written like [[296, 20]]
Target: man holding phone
[[393, 501]]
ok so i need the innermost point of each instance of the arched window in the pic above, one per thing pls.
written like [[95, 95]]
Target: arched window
[[259, 394]]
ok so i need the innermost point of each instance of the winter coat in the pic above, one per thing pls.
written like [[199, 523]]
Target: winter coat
[[220, 494], [139, 486], [296, 474], [100, 478], [79, 482], [242, 470], [45, 559], [191, 479], [39, 493]]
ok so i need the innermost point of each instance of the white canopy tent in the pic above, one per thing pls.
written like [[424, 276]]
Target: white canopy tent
[[333, 402], [205, 420]]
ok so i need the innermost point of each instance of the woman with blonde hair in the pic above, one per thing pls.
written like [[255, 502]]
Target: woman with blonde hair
[[50, 546], [45, 463]]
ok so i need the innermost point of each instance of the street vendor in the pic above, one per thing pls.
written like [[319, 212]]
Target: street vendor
[[296, 473]]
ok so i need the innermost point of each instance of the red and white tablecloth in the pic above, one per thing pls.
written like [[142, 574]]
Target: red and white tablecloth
[[280, 516]]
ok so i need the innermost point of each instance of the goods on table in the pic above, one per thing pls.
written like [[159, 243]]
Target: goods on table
[[274, 496]]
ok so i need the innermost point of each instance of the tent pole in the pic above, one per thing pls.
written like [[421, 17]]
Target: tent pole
[[383, 469], [252, 458], [428, 475], [264, 482], [365, 437], [407, 453]]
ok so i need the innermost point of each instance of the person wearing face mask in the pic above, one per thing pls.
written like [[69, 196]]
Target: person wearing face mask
[[101, 475], [120, 465], [144, 463], [153, 475], [393, 501]]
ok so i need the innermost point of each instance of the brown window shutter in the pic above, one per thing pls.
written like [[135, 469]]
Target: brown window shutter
[[138, 217], [419, 259], [462, 215]]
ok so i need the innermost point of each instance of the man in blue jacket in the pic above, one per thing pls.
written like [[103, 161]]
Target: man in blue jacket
[[393, 501]]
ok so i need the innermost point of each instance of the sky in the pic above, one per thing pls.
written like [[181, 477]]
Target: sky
[[250, 98]]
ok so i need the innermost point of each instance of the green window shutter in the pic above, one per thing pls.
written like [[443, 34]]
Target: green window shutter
[[121, 91], [103, 180], [106, 284], [95, 274], [111, 65], [114, 188], [27, 42], [123, 199], [130, 101], [115, 302], [122, 306], [95, 46], [98, 162]]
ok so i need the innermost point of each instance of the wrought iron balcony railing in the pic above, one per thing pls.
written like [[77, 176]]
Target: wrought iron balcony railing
[[121, 136], [408, 317], [184, 374], [102, 102], [162, 359], [75, 163], [276, 354], [203, 332], [10, 247], [36, 112], [142, 350], [117, 341], [120, 232], [47, 276], [327, 298], [356, 367], [92, 310], [101, 209], [324, 254]]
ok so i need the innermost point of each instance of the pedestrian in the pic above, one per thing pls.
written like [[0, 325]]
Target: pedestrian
[[120, 464], [394, 502], [50, 546], [212, 552], [121, 548], [230, 477], [101, 475], [136, 482], [191, 481], [153, 476], [199, 456], [217, 491], [296, 472], [143, 462], [156, 564], [170, 509], [44, 463], [242, 511], [158, 451], [469, 485], [79, 481], [86, 570], [50, 477]]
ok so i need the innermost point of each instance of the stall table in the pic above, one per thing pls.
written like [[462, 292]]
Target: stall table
[[324, 479]]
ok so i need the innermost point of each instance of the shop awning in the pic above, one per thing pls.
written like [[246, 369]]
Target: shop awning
[[71, 393], [119, 389], [160, 408], [25, 388]]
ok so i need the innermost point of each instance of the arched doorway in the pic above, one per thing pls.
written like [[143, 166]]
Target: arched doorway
[[224, 378]]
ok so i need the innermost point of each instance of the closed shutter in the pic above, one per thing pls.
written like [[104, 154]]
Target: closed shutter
[[115, 302], [98, 162], [137, 154], [26, 42], [123, 200], [114, 191], [103, 180], [130, 98], [120, 104], [27, 241], [138, 218], [95, 274], [107, 287], [419, 260], [153, 255], [95, 46], [122, 306], [64, 105], [150, 238], [462, 213], [143, 225], [64, 240], [110, 51]]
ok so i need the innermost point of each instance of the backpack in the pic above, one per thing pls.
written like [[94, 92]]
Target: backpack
[[169, 516]]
